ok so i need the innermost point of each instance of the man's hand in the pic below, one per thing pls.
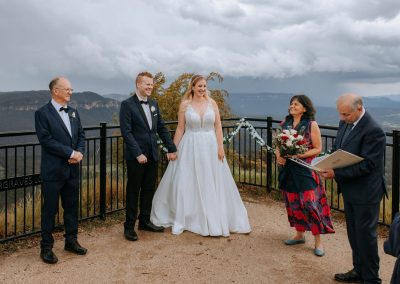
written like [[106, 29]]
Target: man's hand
[[327, 173], [142, 159], [78, 156], [172, 156], [72, 161]]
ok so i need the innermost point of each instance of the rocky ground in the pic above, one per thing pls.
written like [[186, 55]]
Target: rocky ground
[[260, 257]]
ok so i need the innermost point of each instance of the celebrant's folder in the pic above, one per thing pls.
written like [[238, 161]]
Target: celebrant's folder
[[338, 159]]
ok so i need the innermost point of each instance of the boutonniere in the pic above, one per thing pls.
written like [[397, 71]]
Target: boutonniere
[[73, 114], [152, 109]]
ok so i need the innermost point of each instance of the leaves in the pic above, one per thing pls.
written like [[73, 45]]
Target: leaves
[[169, 98]]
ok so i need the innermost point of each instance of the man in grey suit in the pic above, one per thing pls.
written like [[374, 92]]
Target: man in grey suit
[[62, 138], [140, 121], [362, 185]]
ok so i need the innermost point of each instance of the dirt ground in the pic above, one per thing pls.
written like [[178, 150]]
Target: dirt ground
[[260, 257]]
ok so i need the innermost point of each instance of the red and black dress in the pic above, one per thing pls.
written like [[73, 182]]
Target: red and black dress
[[304, 192]]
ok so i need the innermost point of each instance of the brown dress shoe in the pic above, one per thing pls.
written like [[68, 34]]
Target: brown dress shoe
[[351, 276]]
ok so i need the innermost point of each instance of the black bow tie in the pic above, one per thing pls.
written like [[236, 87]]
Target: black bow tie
[[66, 109], [144, 102]]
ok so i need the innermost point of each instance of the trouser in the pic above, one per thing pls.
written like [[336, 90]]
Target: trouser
[[51, 192], [362, 223], [140, 187]]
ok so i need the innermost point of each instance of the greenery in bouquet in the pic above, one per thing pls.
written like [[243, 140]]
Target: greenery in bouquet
[[289, 142]]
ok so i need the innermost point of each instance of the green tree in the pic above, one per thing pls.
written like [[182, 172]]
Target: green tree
[[169, 98]]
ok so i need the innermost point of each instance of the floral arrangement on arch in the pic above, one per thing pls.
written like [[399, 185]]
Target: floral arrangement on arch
[[289, 142]]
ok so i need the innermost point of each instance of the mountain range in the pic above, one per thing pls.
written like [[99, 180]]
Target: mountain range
[[17, 108], [385, 109]]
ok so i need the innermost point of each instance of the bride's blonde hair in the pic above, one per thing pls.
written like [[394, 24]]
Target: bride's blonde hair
[[189, 92]]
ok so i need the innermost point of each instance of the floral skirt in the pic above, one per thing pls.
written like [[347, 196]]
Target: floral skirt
[[309, 210]]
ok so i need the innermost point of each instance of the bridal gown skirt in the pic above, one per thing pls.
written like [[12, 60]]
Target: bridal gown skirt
[[197, 192]]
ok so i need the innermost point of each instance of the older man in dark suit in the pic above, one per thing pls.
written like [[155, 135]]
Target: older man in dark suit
[[362, 185], [62, 138], [140, 122]]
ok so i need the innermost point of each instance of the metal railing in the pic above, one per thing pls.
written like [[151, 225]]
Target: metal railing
[[103, 173]]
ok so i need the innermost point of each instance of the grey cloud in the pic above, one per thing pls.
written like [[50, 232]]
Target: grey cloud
[[262, 39]]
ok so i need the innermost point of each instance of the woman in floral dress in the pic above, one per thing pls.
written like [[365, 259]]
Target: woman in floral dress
[[303, 190]]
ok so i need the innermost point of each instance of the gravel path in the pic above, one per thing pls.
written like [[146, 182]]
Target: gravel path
[[260, 257]]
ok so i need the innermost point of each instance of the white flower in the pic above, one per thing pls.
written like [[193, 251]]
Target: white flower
[[152, 109], [73, 114]]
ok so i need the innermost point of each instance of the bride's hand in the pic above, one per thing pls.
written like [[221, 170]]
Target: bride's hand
[[221, 153]]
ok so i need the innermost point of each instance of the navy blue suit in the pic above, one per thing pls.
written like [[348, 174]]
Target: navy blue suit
[[140, 139], [58, 176], [363, 186]]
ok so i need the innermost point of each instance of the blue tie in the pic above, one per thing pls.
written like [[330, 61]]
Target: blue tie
[[349, 127]]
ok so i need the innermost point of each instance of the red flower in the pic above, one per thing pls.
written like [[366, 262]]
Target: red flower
[[326, 211], [299, 215], [291, 197], [309, 195], [284, 138], [315, 229], [301, 142], [295, 135]]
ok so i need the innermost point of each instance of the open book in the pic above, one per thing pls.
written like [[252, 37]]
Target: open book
[[338, 159]]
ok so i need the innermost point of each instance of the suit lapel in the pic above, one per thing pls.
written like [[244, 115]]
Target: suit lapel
[[152, 104], [58, 118], [72, 121], [140, 108], [356, 130]]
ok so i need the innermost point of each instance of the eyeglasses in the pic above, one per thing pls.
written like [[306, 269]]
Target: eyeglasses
[[66, 89]]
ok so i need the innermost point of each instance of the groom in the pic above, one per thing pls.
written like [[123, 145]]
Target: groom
[[140, 122]]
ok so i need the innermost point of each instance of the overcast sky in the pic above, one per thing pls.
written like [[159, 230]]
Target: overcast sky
[[320, 47]]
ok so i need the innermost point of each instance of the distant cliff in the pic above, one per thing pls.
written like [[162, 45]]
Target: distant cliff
[[17, 108]]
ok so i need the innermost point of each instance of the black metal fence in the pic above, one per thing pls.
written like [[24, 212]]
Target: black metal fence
[[103, 173]]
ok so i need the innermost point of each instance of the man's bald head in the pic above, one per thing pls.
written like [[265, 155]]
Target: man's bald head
[[349, 107]]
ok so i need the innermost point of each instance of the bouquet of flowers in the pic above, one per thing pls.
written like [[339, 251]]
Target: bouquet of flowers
[[289, 142]]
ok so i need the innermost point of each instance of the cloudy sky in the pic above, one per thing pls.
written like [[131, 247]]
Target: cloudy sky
[[321, 48]]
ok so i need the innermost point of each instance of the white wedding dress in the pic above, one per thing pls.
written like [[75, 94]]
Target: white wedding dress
[[197, 192]]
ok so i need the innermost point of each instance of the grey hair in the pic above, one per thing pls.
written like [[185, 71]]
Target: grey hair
[[354, 101]]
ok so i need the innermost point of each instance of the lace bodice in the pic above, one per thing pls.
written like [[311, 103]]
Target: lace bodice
[[196, 123]]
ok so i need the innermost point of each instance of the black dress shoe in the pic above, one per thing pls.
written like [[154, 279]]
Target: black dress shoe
[[48, 256], [75, 247], [148, 226], [130, 234], [349, 277]]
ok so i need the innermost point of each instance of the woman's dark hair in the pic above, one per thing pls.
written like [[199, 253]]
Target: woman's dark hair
[[307, 104]]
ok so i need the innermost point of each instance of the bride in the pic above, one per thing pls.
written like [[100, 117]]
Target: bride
[[197, 192]]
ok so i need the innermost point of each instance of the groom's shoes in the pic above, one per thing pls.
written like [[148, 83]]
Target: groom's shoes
[[48, 256], [148, 226], [75, 247], [130, 234]]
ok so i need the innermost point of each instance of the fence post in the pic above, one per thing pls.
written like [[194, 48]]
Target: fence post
[[395, 172], [103, 171], [269, 154]]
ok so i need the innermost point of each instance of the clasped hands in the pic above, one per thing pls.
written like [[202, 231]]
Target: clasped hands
[[142, 159], [76, 158]]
